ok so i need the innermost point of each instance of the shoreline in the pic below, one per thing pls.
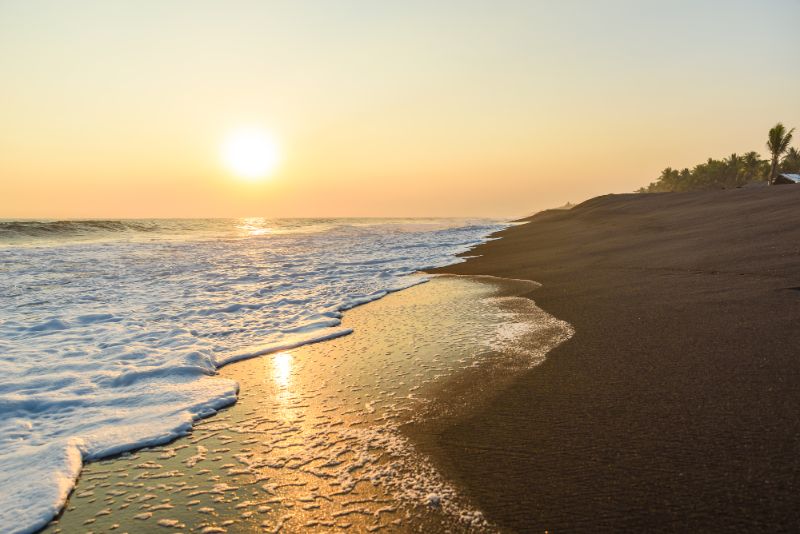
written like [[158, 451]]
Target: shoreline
[[657, 414], [368, 388], [96, 372], [673, 407]]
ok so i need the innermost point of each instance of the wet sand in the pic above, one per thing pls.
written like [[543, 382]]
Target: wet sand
[[676, 405], [324, 437]]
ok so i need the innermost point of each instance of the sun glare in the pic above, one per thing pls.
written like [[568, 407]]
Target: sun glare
[[250, 153]]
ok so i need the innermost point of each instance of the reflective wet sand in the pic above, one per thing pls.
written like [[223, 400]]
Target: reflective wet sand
[[323, 436]]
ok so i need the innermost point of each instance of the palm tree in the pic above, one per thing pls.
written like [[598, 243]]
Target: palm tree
[[731, 174], [752, 167], [777, 143], [791, 161]]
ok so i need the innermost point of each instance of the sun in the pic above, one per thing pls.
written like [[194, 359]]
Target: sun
[[250, 153]]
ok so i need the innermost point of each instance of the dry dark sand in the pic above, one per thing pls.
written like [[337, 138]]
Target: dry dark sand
[[676, 405]]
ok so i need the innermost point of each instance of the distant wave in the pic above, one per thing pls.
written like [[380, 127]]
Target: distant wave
[[15, 232], [23, 229]]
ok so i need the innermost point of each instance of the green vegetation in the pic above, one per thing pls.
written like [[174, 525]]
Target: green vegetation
[[735, 170], [778, 144]]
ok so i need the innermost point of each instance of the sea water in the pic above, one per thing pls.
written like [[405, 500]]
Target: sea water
[[107, 328]]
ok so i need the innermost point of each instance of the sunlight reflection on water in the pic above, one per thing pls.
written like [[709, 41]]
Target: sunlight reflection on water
[[282, 369], [254, 226]]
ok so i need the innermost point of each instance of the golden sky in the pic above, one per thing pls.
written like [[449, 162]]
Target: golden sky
[[413, 108]]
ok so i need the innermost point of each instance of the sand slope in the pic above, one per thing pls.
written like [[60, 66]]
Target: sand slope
[[677, 402]]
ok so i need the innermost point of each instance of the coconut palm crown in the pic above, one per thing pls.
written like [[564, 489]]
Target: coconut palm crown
[[777, 142]]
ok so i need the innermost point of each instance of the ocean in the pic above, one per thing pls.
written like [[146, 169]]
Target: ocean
[[109, 330]]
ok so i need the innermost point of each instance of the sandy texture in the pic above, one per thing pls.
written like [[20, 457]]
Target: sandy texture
[[315, 441], [676, 404]]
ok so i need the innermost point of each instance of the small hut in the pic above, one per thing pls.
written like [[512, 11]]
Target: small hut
[[786, 178]]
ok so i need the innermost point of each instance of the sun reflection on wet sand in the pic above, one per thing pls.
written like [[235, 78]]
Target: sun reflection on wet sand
[[314, 443], [282, 369], [278, 374]]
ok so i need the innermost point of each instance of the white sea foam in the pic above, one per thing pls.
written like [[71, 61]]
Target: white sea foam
[[109, 331]]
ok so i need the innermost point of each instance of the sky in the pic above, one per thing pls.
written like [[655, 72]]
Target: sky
[[414, 108]]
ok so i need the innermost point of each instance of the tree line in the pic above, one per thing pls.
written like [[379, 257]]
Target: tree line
[[735, 170]]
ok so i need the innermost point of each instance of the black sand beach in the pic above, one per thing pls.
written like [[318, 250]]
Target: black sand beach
[[675, 406]]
